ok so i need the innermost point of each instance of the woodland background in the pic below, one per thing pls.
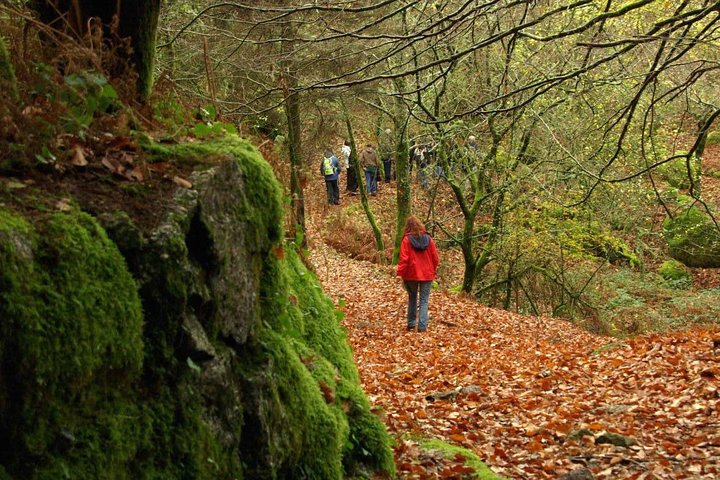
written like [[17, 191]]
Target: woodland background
[[592, 196]]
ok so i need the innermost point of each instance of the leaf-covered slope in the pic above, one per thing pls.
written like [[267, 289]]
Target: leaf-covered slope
[[533, 397]]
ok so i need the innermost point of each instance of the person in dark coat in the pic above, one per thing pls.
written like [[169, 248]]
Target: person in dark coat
[[417, 266], [387, 151], [352, 184]]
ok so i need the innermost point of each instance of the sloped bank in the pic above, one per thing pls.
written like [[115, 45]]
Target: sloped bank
[[201, 350]]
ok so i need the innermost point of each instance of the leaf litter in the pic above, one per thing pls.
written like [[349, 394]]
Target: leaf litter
[[532, 397]]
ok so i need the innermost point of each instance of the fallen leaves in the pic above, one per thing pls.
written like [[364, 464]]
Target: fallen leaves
[[119, 155], [181, 182], [78, 156], [547, 397]]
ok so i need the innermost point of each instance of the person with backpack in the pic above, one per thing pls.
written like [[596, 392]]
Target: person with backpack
[[371, 164], [417, 266], [330, 169]]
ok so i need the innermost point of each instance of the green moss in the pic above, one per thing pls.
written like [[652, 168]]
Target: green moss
[[675, 273], [713, 138], [693, 239], [449, 451], [579, 236], [305, 430], [315, 347], [676, 174], [71, 334]]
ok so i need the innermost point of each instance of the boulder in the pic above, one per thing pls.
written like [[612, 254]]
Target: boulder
[[201, 349], [693, 239]]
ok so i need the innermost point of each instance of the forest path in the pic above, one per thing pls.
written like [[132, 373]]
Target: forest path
[[532, 397]]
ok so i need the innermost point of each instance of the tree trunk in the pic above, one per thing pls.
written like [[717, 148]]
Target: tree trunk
[[379, 244], [291, 102], [7, 73], [292, 110], [469, 258], [136, 20], [404, 199]]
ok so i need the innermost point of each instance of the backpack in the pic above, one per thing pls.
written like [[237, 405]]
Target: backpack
[[327, 166]]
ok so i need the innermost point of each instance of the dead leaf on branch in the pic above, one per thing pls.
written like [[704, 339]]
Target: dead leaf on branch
[[78, 156], [181, 182]]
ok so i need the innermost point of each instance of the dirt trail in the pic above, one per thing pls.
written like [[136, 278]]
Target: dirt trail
[[533, 397]]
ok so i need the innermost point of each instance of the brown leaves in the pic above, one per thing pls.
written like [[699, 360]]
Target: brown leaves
[[327, 391], [181, 182], [119, 155], [124, 164], [78, 156], [538, 381]]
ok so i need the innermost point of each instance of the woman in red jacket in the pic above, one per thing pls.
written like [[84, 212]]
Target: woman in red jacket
[[418, 262]]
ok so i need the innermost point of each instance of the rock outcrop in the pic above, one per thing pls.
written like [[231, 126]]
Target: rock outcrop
[[203, 349]]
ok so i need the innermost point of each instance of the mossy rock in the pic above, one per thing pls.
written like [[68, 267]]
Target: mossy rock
[[675, 173], [713, 138], [246, 371], [255, 327], [603, 245], [70, 349], [675, 273], [693, 239]]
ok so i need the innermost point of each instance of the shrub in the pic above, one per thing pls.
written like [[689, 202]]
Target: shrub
[[631, 303]]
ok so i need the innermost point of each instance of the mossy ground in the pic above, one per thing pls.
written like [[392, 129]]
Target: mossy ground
[[481, 471]]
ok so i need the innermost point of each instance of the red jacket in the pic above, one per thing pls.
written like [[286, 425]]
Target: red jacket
[[418, 257]]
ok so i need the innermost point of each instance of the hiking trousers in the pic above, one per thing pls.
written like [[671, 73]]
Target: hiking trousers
[[333, 192], [415, 287]]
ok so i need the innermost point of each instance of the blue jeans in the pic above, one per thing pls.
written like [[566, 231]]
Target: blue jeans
[[371, 180], [412, 287]]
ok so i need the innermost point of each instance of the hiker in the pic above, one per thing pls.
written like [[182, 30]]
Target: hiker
[[330, 169], [352, 185], [370, 163], [421, 159], [418, 263], [472, 144], [386, 153]]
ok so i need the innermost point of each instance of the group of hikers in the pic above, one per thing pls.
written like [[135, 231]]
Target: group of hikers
[[377, 165], [418, 258]]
